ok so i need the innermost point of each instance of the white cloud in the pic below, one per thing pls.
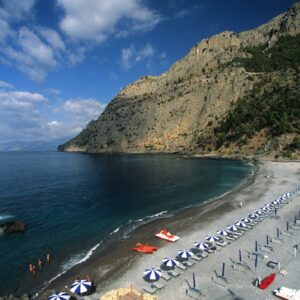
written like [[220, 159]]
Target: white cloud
[[95, 20], [53, 91], [83, 110], [6, 85], [77, 56], [29, 116], [130, 55], [5, 30], [16, 9], [146, 52], [31, 55], [126, 57], [53, 38]]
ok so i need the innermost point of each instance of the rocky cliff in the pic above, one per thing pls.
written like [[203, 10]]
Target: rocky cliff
[[171, 112]]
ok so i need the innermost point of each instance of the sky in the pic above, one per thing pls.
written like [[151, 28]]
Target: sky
[[63, 61]]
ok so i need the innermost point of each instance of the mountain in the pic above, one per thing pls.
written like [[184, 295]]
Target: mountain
[[222, 98]]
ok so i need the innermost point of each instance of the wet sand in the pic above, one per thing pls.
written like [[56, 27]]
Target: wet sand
[[118, 266]]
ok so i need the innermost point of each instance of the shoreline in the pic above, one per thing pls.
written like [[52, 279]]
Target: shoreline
[[117, 254]]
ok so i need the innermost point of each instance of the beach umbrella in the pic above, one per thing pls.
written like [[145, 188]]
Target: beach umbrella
[[170, 262], [59, 296], [253, 216], [200, 245], [246, 220], [223, 232], [259, 212], [212, 239], [152, 274], [80, 287], [241, 224], [185, 253], [232, 228]]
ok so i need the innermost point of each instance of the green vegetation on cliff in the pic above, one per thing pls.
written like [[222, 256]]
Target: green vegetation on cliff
[[284, 55], [274, 102]]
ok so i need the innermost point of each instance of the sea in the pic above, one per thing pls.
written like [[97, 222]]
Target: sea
[[74, 203]]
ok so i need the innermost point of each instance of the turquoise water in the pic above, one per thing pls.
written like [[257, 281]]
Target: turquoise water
[[73, 202]]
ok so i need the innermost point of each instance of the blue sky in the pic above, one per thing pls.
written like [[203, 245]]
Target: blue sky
[[62, 61]]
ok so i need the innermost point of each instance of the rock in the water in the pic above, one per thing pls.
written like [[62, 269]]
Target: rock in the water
[[13, 226]]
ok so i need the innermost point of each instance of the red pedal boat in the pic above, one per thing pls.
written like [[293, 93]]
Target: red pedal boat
[[144, 248], [167, 236], [267, 281]]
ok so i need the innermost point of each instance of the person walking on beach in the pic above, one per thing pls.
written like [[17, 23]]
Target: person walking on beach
[[40, 263], [48, 257]]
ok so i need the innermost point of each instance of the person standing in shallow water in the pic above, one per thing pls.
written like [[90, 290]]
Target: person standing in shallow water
[[40, 263], [48, 257], [33, 269], [30, 268]]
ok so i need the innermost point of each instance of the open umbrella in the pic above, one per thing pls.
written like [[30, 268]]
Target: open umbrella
[[202, 246], [212, 239], [59, 296], [222, 232], [241, 224], [80, 287], [152, 274], [247, 220], [253, 216], [170, 262], [185, 253], [232, 228]]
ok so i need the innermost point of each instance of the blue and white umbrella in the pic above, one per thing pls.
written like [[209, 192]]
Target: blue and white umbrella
[[170, 262], [212, 239], [185, 253], [259, 212], [253, 216], [200, 245], [81, 286], [222, 232], [232, 228], [241, 224], [152, 274], [246, 220], [59, 296]]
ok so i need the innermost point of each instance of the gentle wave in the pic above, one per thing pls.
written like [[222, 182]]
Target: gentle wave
[[116, 230], [69, 264], [6, 217]]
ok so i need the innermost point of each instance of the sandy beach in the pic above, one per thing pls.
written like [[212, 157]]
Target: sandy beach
[[118, 266]]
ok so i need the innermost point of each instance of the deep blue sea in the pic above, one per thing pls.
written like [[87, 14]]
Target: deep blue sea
[[73, 202]]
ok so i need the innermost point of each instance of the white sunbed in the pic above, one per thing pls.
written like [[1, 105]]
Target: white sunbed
[[165, 276], [188, 263], [150, 289], [173, 273], [158, 285], [181, 266]]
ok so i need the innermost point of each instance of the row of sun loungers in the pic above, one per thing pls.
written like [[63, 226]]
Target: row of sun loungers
[[224, 237]]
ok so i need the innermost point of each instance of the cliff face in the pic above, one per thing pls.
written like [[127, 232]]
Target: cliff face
[[169, 112]]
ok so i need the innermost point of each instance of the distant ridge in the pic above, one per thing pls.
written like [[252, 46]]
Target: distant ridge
[[186, 108]]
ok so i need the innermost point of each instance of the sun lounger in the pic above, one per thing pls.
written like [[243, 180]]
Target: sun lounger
[[188, 263], [150, 289], [195, 257], [173, 273], [165, 276], [203, 254], [222, 243], [158, 285], [181, 266]]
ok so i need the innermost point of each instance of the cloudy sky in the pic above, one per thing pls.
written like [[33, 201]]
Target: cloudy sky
[[62, 61]]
